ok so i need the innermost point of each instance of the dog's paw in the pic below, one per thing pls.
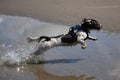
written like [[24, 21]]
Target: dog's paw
[[95, 39]]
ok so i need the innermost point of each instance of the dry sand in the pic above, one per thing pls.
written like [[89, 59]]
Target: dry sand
[[68, 12]]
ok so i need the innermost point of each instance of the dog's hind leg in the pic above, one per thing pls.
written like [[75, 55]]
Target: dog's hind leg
[[34, 58], [36, 53]]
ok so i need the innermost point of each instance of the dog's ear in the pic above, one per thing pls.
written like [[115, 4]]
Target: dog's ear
[[84, 19]]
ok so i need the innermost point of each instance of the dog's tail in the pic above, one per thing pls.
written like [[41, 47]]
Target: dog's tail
[[30, 40]]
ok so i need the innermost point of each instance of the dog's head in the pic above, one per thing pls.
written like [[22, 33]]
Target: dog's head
[[91, 24]]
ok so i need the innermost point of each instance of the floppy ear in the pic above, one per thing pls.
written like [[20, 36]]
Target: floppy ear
[[84, 19]]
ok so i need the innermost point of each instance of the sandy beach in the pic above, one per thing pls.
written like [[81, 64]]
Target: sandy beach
[[22, 18], [67, 12]]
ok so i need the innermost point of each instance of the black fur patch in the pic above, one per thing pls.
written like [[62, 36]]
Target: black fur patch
[[48, 38], [44, 37], [68, 39]]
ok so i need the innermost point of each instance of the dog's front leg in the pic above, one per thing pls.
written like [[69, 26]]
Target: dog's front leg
[[83, 44], [92, 38]]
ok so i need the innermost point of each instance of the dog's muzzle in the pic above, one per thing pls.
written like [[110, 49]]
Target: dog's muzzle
[[100, 26]]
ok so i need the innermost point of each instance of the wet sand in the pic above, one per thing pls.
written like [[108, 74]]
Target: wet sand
[[68, 12], [34, 72]]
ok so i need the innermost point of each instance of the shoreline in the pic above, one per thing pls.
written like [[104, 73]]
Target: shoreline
[[66, 12], [107, 29]]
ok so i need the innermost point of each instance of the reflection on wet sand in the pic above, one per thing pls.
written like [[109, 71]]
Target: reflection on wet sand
[[38, 70], [34, 72], [43, 75]]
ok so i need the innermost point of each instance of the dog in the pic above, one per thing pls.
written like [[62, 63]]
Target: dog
[[70, 39]]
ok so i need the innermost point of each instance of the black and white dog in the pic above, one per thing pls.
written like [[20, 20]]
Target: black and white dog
[[69, 39]]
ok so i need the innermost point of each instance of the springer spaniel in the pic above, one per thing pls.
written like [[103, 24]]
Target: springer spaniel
[[73, 37]]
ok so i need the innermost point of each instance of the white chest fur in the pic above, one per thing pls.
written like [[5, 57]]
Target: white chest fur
[[81, 35]]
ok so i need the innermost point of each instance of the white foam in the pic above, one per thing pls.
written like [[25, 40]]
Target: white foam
[[16, 56]]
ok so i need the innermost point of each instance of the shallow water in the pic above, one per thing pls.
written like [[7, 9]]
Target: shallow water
[[99, 59]]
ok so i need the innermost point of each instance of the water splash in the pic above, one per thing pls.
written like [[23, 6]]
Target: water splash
[[13, 33], [15, 56]]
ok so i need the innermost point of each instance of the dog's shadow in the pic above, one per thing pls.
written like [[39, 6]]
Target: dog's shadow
[[57, 61]]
